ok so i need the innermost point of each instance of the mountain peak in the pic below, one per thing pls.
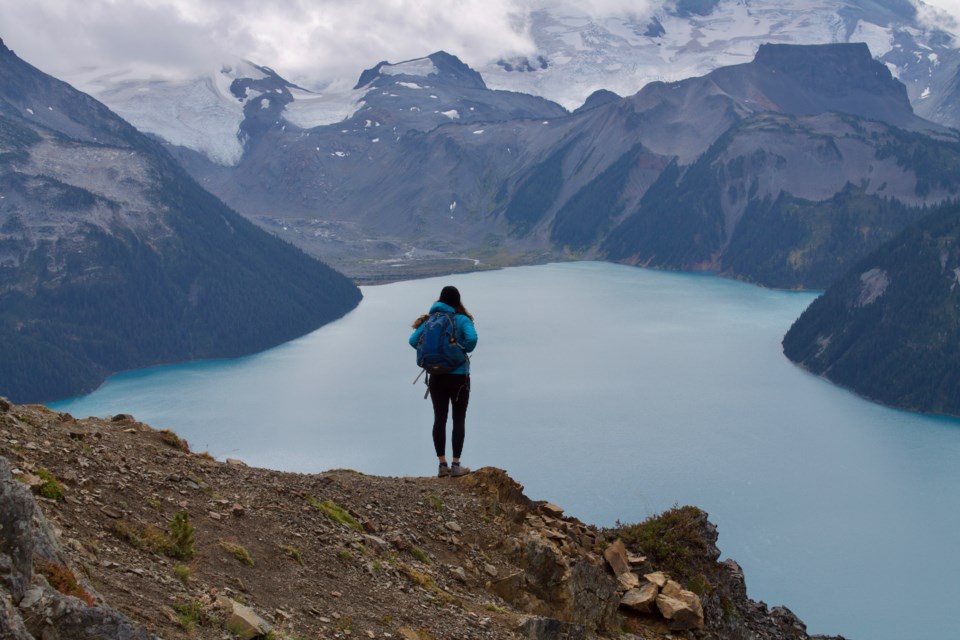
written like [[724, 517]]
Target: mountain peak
[[810, 79], [847, 58], [445, 67], [596, 99]]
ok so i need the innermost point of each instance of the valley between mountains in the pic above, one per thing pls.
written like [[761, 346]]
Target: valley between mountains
[[786, 171], [823, 163]]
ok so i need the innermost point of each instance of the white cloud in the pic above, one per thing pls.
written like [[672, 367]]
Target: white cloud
[[301, 39], [308, 41], [940, 14]]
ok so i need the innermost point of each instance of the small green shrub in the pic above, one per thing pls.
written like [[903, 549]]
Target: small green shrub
[[727, 606], [420, 555], [51, 487], [700, 585], [293, 552], [426, 582], [674, 541], [181, 537], [183, 573], [190, 614], [434, 502], [178, 543]]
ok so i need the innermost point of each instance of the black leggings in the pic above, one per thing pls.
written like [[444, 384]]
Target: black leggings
[[447, 389]]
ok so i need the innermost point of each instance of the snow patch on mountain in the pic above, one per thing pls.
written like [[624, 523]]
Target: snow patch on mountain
[[309, 110], [878, 39], [200, 114], [623, 54], [419, 67]]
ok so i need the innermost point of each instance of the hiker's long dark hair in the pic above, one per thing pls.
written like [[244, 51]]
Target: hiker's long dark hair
[[462, 310]]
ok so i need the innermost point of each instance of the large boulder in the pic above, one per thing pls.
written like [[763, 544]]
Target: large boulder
[[642, 599], [681, 607], [42, 611]]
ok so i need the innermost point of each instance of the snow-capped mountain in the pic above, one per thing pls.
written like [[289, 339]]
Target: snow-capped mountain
[[704, 173], [204, 113], [577, 55]]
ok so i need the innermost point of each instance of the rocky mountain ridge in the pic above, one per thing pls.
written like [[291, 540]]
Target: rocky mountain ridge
[[130, 535], [578, 51], [435, 172], [404, 182]]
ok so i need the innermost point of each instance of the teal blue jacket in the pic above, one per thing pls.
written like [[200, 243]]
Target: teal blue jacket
[[466, 334]]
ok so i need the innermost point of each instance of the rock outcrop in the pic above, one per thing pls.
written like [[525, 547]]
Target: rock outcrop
[[31, 558], [125, 533]]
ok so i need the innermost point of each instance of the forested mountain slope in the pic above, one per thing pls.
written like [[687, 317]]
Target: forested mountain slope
[[890, 328], [112, 257]]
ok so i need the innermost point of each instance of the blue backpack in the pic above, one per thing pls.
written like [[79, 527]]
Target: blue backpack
[[438, 350]]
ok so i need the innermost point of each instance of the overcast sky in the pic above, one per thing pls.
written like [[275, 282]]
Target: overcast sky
[[304, 40]]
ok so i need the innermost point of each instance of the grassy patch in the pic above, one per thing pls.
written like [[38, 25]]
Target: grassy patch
[[434, 502], [63, 580], [335, 512], [51, 487], [238, 551], [175, 441], [420, 555], [426, 581], [700, 585], [183, 573], [177, 543], [293, 552], [190, 615]]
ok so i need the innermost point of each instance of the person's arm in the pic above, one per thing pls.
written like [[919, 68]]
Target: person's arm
[[415, 336], [469, 341]]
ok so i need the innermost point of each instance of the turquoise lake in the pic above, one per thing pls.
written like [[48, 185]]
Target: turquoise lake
[[616, 393]]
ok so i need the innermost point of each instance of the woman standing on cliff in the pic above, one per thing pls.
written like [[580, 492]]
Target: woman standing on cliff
[[453, 388]]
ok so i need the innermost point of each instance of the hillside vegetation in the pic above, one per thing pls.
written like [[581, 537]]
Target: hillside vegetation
[[890, 328]]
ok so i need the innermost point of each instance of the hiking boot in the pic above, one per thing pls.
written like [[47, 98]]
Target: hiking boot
[[456, 471], [444, 470]]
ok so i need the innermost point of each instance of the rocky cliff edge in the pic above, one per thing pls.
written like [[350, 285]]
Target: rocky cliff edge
[[112, 529]]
